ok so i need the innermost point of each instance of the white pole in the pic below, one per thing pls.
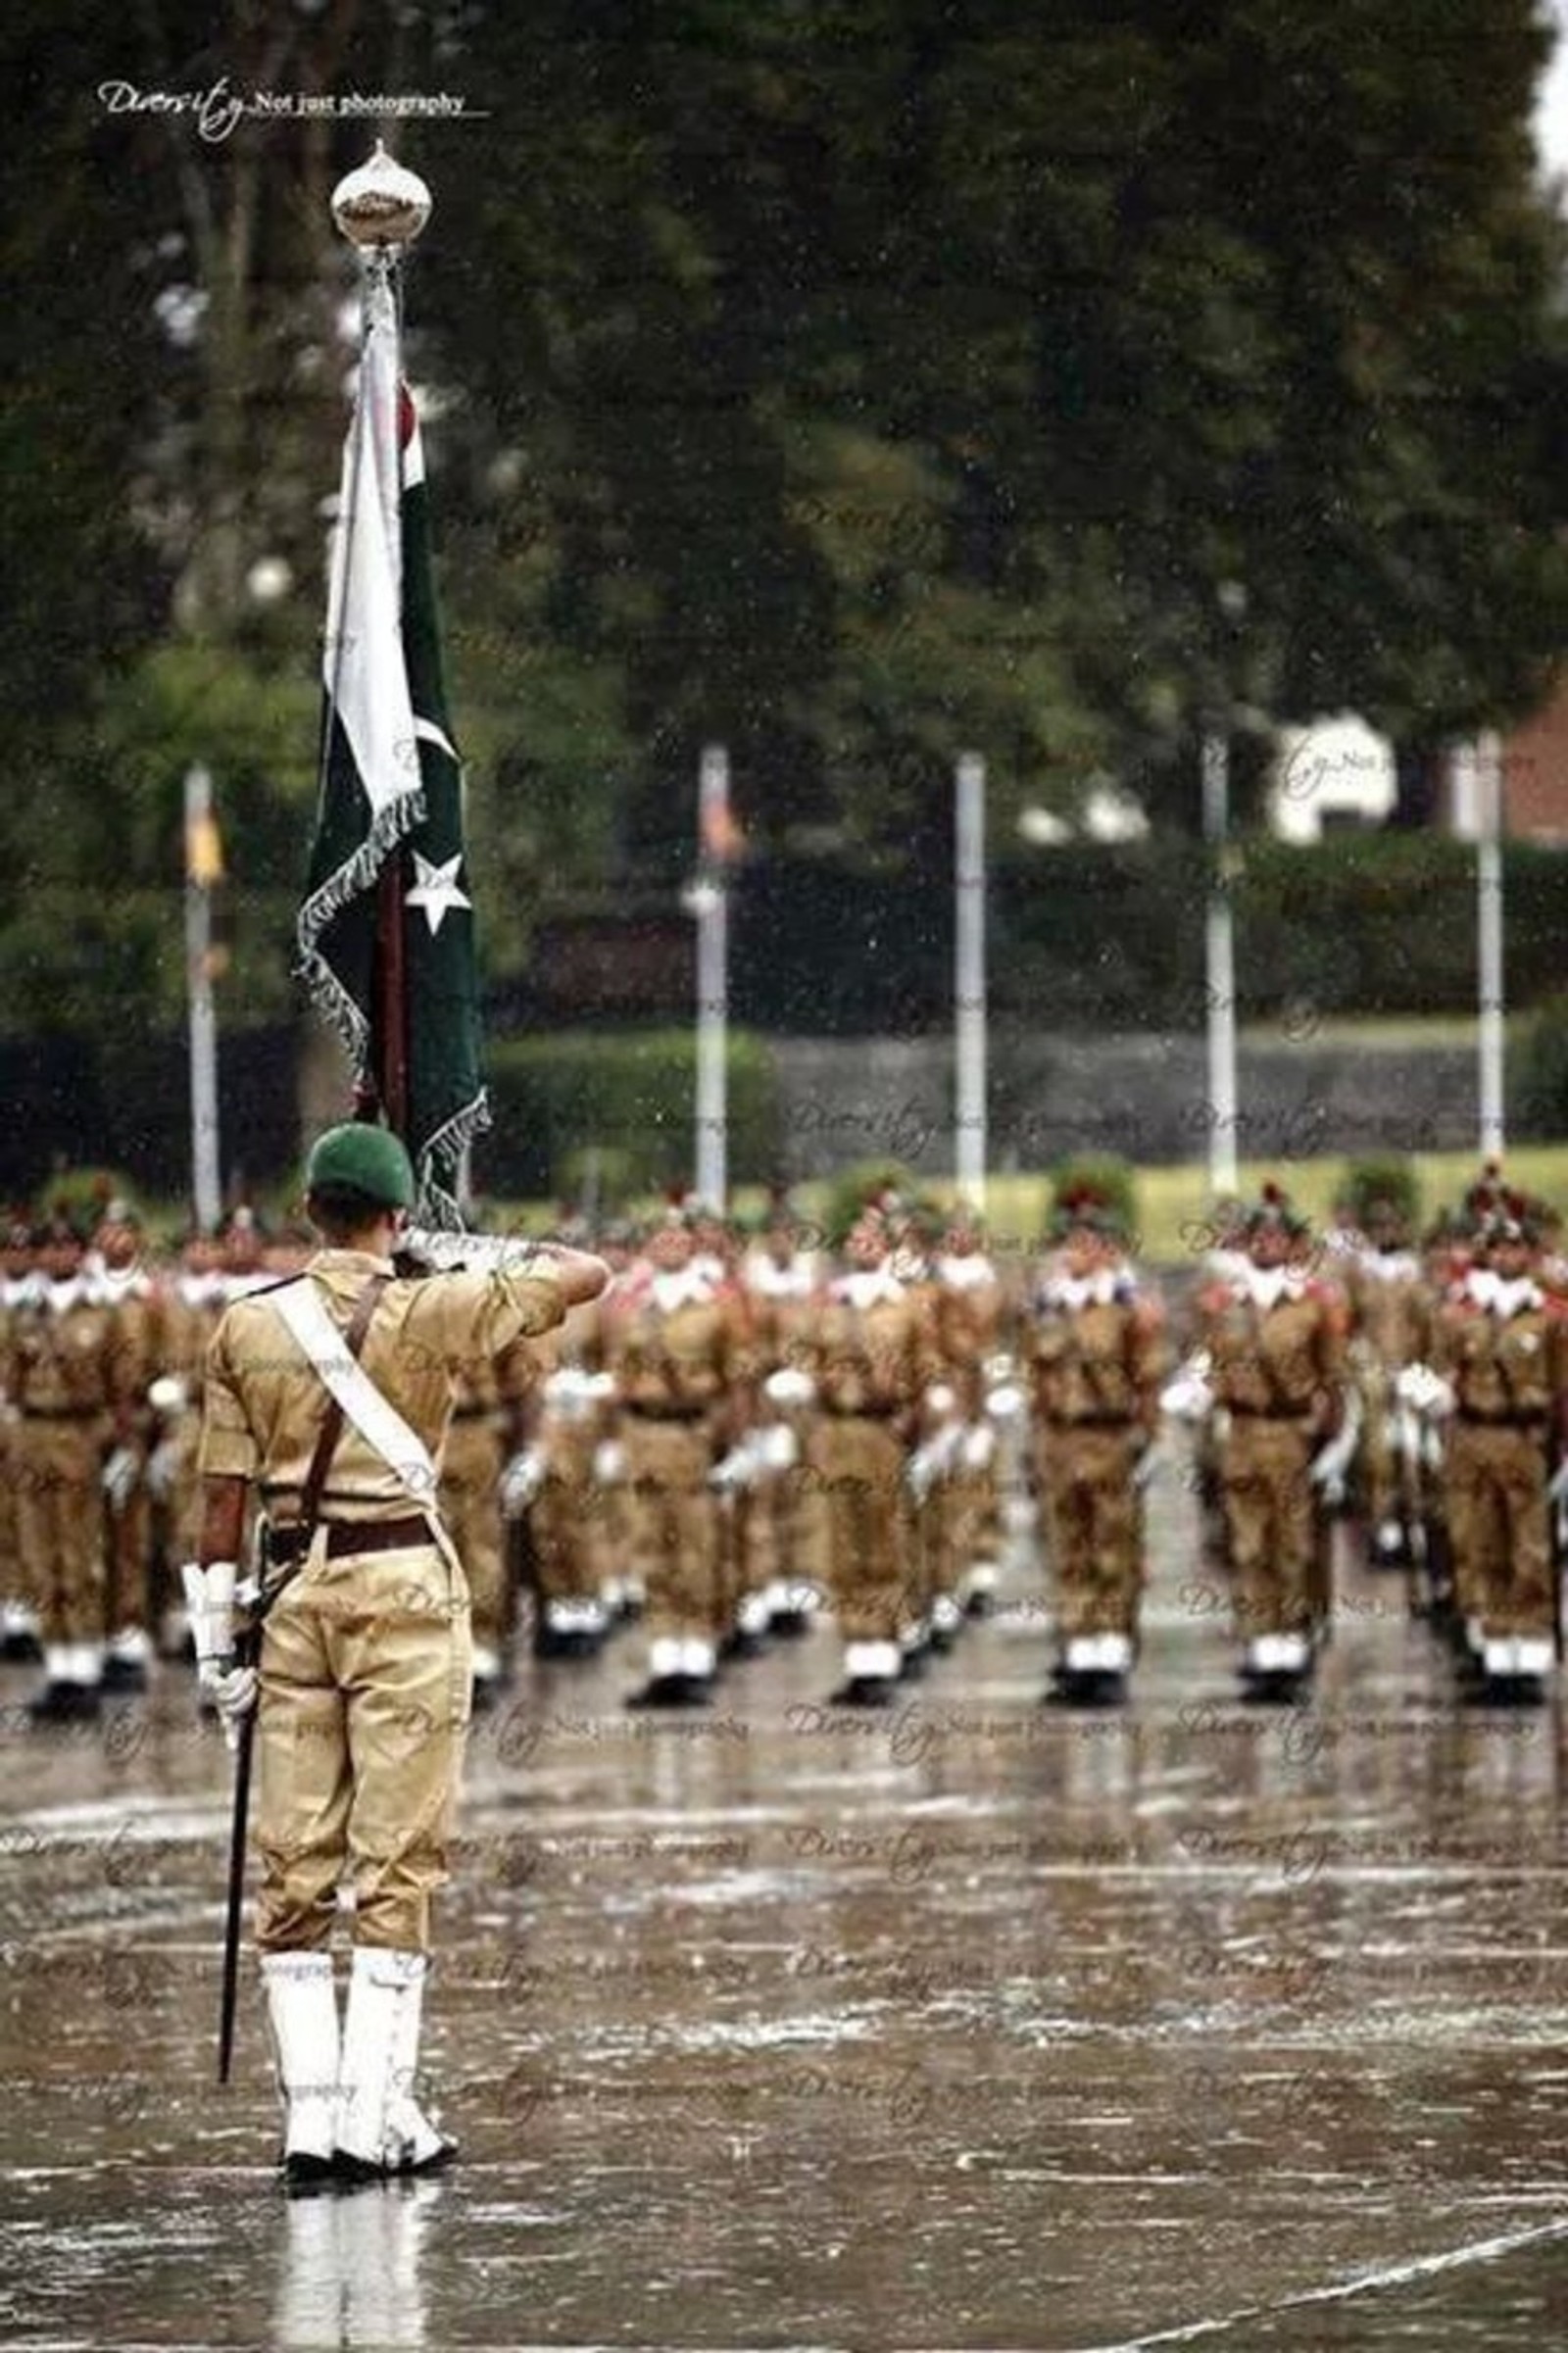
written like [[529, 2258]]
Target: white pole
[[970, 980], [1219, 943], [711, 907], [1488, 773], [207, 1189]]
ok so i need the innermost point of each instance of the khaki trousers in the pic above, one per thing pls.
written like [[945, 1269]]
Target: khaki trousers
[[1271, 1524], [859, 1465], [1496, 1491], [60, 1526], [568, 1521], [364, 1694], [1092, 1522], [470, 1507], [675, 1530]]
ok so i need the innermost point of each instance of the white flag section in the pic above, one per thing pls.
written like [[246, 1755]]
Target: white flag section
[[363, 665]]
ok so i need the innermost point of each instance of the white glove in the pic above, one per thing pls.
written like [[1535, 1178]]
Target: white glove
[[734, 1471], [777, 1447], [232, 1691], [789, 1387], [119, 1476], [1145, 1462], [162, 1468], [1557, 1485], [522, 1480], [610, 1462], [977, 1447], [1326, 1470], [210, 1607], [1424, 1391], [1006, 1402], [1189, 1395], [169, 1395]]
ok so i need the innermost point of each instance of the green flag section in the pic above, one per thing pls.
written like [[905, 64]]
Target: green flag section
[[386, 936]]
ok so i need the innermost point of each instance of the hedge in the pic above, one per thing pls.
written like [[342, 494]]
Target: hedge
[[632, 1099]]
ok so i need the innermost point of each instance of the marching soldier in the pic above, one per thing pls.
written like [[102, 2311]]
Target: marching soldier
[[66, 1377], [1273, 1359], [676, 1350], [782, 1276], [1390, 1329], [869, 1350], [1094, 1352], [18, 1621], [971, 1315], [1499, 1358], [364, 1673], [481, 1437], [121, 1277]]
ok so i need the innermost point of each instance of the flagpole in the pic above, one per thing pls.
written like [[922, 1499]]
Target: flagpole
[[969, 982], [709, 901], [381, 209], [1220, 946], [202, 870], [1487, 770]]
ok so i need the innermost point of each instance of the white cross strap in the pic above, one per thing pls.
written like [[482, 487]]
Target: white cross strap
[[376, 1419]]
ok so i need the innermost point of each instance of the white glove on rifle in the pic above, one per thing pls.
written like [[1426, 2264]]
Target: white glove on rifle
[[522, 1480], [119, 1476], [210, 1607], [1329, 1465], [162, 1468]]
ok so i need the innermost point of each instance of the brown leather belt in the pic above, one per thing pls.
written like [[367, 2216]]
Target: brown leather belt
[[861, 1413], [1091, 1421], [63, 1413], [1504, 1421], [1272, 1414], [668, 1414], [351, 1536]]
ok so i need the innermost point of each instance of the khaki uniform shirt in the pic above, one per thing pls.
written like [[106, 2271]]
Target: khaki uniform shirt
[[263, 1402]]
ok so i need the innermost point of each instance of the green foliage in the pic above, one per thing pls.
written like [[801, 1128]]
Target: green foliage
[[1389, 1178], [1538, 1073], [1108, 1174], [855, 1186], [632, 1097]]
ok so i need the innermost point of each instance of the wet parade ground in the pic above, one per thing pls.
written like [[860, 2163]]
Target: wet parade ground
[[977, 2023]]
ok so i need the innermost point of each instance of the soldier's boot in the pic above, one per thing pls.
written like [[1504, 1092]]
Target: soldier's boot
[[380, 2128], [71, 1677], [1276, 1666], [1513, 1670], [1092, 1671], [302, 2010], [18, 1635], [126, 1660], [871, 1670], [680, 1673]]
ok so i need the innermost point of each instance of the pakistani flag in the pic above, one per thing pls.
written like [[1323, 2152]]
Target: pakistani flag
[[386, 931]]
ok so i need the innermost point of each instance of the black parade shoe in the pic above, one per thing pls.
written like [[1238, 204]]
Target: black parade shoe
[[864, 1690], [671, 1690], [66, 1703]]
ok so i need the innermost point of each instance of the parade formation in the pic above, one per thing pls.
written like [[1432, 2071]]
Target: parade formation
[[751, 1428]]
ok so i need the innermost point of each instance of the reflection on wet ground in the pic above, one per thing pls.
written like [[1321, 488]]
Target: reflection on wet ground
[[981, 2023]]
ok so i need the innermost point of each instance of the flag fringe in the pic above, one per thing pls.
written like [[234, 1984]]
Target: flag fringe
[[447, 1146], [389, 827]]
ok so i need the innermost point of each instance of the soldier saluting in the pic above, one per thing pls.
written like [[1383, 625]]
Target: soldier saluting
[[363, 1682]]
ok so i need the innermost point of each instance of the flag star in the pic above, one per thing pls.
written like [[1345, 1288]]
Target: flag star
[[436, 890]]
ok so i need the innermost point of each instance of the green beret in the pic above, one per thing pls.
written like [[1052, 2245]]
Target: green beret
[[369, 1159]]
